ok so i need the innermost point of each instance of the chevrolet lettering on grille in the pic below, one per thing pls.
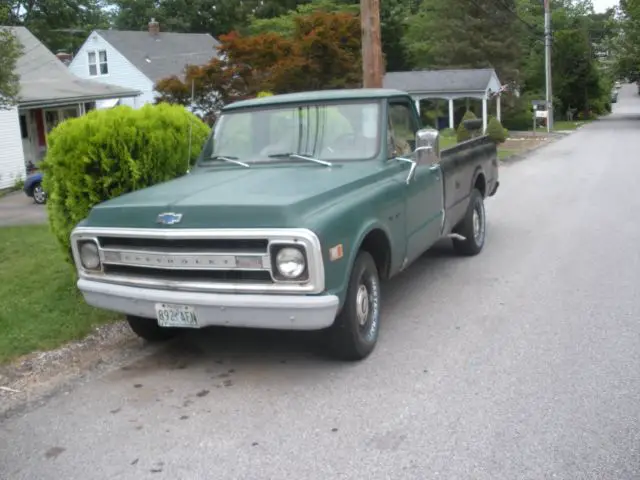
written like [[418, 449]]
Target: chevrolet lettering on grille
[[201, 261]]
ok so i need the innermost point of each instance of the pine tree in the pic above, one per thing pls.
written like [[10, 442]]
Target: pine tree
[[466, 34]]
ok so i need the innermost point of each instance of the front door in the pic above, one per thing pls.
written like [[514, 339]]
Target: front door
[[424, 210]]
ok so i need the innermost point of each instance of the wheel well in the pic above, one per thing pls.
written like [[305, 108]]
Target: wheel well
[[32, 187], [377, 245], [481, 184]]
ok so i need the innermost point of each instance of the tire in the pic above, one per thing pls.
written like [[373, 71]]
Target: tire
[[149, 330], [39, 195], [354, 334], [473, 227]]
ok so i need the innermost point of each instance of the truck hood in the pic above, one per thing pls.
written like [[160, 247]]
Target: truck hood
[[217, 197]]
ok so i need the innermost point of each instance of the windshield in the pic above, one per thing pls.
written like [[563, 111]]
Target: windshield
[[345, 131]]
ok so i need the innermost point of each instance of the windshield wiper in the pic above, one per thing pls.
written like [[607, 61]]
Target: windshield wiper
[[230, 160], [301, 157]]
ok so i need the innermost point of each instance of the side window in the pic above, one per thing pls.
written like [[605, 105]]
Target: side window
[[402, 129]]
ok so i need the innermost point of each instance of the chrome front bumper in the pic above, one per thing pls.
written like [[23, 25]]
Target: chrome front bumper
[[283, 312]]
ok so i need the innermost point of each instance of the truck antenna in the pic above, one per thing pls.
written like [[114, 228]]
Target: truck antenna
[[191, 126]]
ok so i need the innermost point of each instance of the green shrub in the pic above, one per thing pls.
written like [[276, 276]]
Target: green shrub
[[462, 134], [264, 94], [108, 153], [18, 184], [448, 132], [495, 131]]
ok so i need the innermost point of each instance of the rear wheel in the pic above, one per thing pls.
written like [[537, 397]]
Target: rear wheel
[[472, 227], [354, 334], [148, 329]]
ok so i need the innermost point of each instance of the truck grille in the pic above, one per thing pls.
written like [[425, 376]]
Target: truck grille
[[200, 260], [176, 260]]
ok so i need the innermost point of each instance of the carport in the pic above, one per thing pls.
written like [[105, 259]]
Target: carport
[[449, 85]]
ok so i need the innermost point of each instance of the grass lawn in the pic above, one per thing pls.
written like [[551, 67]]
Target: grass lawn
[[446, 142], [566, 125], [41, 307]]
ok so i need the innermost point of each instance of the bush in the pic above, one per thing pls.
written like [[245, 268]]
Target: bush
[[264, 94], [108, 153], [462, 134], [495, 131]]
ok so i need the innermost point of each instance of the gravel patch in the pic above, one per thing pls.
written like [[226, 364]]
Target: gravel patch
[[32, 379]]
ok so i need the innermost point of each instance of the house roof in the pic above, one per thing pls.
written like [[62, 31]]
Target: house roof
[[316, 96], [164, 54], [441, 81], [45, 80]]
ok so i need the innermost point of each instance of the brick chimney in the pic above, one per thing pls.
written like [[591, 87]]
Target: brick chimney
[[154, 27], [64, 57]]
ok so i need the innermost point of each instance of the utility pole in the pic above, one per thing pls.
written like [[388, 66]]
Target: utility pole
[[547, 64], [371, 43]]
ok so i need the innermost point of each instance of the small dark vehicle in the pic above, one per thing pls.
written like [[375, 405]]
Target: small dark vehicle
[[33, 188]]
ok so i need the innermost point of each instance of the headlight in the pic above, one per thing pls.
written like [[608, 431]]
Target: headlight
[[89, 255], [290, 263]]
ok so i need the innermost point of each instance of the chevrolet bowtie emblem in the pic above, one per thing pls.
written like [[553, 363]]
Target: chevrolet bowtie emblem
[[169, 218]]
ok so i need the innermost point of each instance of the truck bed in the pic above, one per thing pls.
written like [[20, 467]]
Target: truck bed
[[461, 165]]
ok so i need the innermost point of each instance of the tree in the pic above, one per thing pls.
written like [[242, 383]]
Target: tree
[[285, 23], [59, 24], [212, 85], [463, 34], [10, 51], [216, 17], [323, 52], [627, 44], [393, 15], [578, 78]]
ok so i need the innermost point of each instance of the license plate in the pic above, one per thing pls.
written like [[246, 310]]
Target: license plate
[[176, 315]]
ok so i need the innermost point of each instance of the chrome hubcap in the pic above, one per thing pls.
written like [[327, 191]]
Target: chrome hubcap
[[38, 193], [362, 305], [478, 224]]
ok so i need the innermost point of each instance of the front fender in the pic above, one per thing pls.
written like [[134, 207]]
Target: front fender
[[341, 290], [348, 225]]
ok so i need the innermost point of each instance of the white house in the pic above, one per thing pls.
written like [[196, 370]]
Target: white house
[[138, 60], [49, 94]]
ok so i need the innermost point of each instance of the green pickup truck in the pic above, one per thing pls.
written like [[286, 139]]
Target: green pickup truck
[[298, 207]]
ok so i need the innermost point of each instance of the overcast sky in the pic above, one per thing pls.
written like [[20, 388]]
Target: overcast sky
[[602, 5]]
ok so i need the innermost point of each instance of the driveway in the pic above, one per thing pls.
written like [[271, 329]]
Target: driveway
[[521, 363], [18, 209]]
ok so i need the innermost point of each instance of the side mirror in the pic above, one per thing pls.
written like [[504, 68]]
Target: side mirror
[[427, 146]]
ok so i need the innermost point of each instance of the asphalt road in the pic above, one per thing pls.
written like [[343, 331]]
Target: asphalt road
[[522, 363]]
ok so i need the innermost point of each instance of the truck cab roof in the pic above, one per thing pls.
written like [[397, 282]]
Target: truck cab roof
[[316, 96]]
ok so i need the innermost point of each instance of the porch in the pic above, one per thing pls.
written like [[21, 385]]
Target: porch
[[450, 85], [36, 122]]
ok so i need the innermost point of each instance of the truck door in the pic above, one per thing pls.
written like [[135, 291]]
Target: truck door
[[424, 210]]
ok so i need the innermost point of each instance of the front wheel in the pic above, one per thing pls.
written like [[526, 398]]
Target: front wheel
[[472, 227], [149, 330], [39, 195], [354, 334]]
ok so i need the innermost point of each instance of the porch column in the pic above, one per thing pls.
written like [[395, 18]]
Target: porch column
[[499, 108], [451, 119], [484, 114]]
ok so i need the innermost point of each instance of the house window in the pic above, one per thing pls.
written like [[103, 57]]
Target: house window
[[98, 63]]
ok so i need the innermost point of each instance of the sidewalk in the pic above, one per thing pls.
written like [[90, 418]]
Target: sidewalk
[[18, 209]]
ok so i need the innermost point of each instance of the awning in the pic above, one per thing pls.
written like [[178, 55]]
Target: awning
[[109, 103]]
